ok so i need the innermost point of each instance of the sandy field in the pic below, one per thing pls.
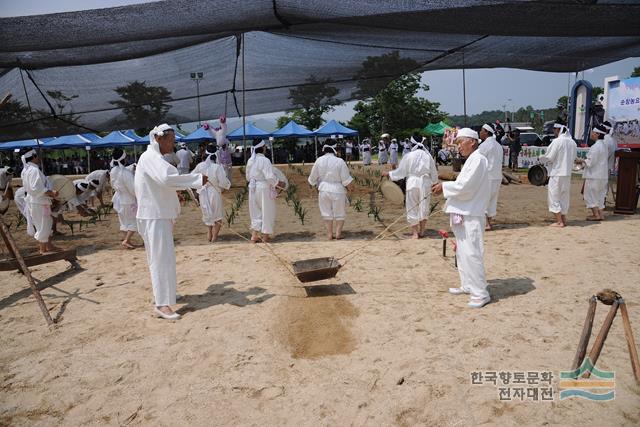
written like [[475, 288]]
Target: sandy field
[[381, 344]]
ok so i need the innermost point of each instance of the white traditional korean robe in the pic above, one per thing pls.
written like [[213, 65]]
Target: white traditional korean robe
[[596, 175], [210, 195], [124, 197], [156, 182], [262, 193], [331, 175], [492, 150], [393, 153], [101, 176], [406, 148], [467, 200], [38, 205], [366, 153], [560, 156], [184, 156], [420, 172], [382, 153]]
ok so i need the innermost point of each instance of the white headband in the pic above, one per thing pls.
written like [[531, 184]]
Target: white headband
[[29, 154], [333, 147], [82, 186], [159, 131], [599, 131], [255, 147], [118, 160], [488, 128], [562, 127]]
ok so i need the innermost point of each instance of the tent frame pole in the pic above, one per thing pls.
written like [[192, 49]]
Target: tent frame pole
[[244, 125]]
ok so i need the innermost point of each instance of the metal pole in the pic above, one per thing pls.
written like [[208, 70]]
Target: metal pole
[[244, 129], [464, 91], [198, 98]]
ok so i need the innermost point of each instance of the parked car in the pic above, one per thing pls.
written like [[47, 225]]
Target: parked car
[[530, 138]]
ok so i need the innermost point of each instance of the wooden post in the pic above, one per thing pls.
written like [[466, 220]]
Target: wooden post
[[602, 336], [631, 343], [13, 248], [586, 334]]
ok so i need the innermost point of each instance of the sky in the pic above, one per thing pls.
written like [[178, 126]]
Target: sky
[[487, 89]]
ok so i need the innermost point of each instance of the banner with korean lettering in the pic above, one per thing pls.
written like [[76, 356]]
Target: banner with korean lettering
[[624, 112], [529, 155]]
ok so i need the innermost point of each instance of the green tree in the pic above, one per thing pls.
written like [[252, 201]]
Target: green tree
[[391, 105], [313, 99], [143, 105], [282, 120], [636, 72]]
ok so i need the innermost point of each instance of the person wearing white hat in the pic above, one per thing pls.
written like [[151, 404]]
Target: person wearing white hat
[[102, 175], [331, 175], [185, 157], [393, 153], [596, 174], [210, 195], [492, 150], [382, 149], [124, 196], [419, 170], [559, 157], [37, 206], [365, 147], [263, 184], [406, 147], [156, 183], [467, 200]]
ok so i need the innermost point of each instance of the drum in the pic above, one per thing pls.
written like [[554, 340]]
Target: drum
[[281, 177], [538, 175], [64, 186], [392, 192]]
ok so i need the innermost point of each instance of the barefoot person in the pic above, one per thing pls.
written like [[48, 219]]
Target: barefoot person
[[156, 182], [331, 175], [262, 193], [37, 206], [492, 150], [559, 158], [210, 194], [596, 174], [467, 200], [419, 170], [124, 196]]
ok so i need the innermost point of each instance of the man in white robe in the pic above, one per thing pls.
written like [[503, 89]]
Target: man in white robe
[[102, 175], [612, 146], [185, 157], [393, 153], [6, 191], [467, 200], [156, 183], [596, 174], [419, 170], [262, 193], [124, 196], [406, 147], [348, 151], [365, 147], [223, 155], [559, 159], [382, 149], [492, 150], [210, 195], [331, 175], [37, 202]]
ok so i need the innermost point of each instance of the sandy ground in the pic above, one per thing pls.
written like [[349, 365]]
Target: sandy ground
[[381, 344]]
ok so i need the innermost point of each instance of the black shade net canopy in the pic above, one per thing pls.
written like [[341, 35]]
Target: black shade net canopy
[[132, 66]]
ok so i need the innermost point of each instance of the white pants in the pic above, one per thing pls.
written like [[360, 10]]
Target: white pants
[[382, 157], [559, 194], [366, 158], [492, 209], [42, 221], [417, 205], [161, 257], [470, 255], [595, 190], [262, 209], [393, 158], [127, 218], [332, 206], [227, 171], [211, 205]]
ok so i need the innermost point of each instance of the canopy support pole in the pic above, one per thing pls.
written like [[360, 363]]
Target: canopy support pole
[[464, 91], [244, 125]]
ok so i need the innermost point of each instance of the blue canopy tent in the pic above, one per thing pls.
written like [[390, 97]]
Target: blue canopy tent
[[131, 134], [67, 141], [20, 145], [198, 135], [334, 128], [91, 136], [250, 131], [114, 139], [293, 129]]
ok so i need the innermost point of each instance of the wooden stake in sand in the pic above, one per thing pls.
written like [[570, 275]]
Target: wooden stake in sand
[[614, 299]]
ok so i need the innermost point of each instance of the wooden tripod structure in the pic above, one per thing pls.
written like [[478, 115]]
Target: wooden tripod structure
[[18, 262], [614, 299]]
